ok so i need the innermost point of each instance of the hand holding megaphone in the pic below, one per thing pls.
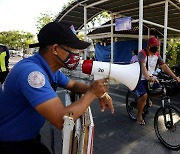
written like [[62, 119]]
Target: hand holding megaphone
[[98, 88], [128, 74]]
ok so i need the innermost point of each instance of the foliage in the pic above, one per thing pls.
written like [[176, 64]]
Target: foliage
[[44, 19], [81, 36], [68, 3], [173, 53], [178, 54], [16, 39], [99, 18], [20, 40]]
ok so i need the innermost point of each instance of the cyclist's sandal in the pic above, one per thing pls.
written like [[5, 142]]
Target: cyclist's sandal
[[142, 122], [150, 103]]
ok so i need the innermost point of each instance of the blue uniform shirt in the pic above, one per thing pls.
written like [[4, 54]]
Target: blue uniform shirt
[[27, 85]]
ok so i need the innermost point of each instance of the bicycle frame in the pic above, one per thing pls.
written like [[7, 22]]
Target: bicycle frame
[[166, 100]]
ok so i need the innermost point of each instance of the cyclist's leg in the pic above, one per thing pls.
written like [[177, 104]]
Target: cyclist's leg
[[141, 105], [146, 108], [142, 95]]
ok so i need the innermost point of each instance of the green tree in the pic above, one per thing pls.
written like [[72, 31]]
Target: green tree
[[16, 39], [67, 4], [44, 19], [178, 54], [173, 53], [47, 17], [100, 19], [97, 20]]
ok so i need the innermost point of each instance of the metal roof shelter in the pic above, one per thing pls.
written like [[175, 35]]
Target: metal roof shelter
[[133, 33], [163, 15]]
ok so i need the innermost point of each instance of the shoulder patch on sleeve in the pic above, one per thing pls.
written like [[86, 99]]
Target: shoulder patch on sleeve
[[36, 79]]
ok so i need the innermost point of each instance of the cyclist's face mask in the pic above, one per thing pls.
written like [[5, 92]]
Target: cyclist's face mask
[[153, 49], [72, 60]]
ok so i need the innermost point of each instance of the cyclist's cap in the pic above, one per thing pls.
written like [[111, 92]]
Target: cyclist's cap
[[153, 41], [59, 33]]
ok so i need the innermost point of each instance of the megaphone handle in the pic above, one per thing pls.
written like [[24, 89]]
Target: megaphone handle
[[108, 78], [109, 71]]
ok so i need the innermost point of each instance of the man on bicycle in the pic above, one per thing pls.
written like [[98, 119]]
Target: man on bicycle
[[149, 58]]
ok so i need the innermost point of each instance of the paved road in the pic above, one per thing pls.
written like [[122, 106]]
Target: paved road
[[114, 134], [14, 60]]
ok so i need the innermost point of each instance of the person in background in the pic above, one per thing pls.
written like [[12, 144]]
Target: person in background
[[28, 96], [4, 62], [148, 59], [134, 56]]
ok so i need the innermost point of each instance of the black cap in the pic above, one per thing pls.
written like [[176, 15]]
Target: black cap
[[60, 33]]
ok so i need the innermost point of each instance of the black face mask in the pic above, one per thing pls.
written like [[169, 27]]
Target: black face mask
[[153, 49]]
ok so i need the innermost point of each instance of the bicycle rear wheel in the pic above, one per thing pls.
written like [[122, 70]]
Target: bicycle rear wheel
[[131, 105], [167, 126]]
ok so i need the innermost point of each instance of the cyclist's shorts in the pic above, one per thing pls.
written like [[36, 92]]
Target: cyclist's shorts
[[142, 88]]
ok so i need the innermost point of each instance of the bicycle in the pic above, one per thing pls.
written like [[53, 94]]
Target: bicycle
[[167, 117]]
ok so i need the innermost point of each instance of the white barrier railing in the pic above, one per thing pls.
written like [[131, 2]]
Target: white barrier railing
[[78, 135]]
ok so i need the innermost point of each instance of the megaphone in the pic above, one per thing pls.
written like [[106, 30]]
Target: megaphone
[[128, 74]]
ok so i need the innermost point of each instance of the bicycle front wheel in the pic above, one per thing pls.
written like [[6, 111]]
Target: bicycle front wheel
[[167, 126], [131, 105]]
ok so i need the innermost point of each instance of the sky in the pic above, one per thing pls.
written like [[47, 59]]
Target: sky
[[23, 14]]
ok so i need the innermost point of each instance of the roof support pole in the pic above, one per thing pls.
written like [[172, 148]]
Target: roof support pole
[[162, 26], [140, 25], [148, 33], [85, 30], [96, 3], [112, 39], [165, 29]]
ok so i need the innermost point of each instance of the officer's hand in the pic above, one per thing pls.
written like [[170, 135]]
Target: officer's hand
[[106, 103], [98, 87]]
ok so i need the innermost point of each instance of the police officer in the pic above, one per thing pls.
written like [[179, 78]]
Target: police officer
[[28, 97], [4, 61]]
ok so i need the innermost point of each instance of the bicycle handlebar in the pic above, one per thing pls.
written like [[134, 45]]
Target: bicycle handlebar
[[171, 85], [164, 78]]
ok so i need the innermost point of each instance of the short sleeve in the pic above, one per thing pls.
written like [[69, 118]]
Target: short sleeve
[[61, 79], [35, 85], [160, 61], [141, 57]]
